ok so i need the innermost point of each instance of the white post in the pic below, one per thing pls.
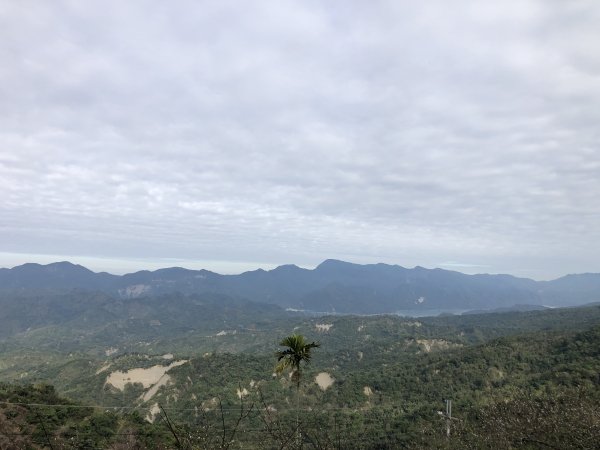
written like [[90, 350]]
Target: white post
[[448, 417]]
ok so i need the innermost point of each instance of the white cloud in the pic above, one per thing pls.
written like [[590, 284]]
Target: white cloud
[[296, 131]]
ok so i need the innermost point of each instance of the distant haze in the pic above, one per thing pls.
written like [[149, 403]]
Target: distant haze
[[236, 135], [333, 286]]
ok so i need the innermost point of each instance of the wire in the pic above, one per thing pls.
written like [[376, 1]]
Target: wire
[[199, 409]]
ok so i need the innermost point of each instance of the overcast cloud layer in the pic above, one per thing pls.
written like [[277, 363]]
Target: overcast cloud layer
[[232, 134]]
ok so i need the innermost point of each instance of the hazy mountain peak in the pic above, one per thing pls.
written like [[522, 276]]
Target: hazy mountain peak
[[286, 268], [67, 266], [173, 270], [55, 267], [334, 263]]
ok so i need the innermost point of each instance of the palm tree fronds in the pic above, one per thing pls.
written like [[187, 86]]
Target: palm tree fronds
[[297, 351]]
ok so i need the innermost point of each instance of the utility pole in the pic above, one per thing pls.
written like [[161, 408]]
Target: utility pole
[[448, 417]]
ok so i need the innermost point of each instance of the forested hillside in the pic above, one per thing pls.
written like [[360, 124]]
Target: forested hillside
[[375, 382]]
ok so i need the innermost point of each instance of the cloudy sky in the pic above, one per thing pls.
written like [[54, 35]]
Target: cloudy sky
[[232, 135]]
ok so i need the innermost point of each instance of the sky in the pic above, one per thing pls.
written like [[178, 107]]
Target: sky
[[232, 135]]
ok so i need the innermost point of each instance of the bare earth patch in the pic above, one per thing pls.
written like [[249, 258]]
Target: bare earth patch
[[147, 377], [135, 290], [153, 413], [103, 368], [428, 345], [162, 381], [225, 333], [324, 380]]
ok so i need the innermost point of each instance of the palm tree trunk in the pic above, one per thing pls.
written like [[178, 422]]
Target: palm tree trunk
[[298, 436]]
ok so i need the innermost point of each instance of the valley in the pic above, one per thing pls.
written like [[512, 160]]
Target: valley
[[206, 363]]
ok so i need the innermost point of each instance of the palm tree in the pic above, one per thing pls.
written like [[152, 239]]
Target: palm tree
[[297, 351]]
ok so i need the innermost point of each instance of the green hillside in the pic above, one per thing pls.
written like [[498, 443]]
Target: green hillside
[[516, 380]]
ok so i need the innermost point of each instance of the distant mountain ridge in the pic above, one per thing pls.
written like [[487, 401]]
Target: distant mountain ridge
[[333, 286]]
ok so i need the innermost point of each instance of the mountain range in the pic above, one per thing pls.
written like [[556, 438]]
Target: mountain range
[[333, 286]]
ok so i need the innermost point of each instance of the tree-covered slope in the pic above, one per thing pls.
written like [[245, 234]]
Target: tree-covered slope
[[532, 390], [333, 286]]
